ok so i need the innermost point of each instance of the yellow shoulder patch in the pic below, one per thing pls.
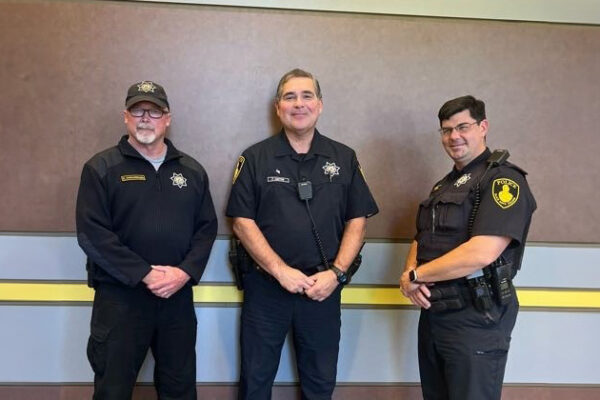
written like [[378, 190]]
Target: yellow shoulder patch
[[505, 192], [238, 168], [133, 177], [362, 172]]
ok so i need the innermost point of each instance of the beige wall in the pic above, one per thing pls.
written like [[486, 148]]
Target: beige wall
[[66, 66]]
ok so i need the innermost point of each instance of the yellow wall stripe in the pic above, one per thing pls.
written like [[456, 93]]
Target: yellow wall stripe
[[228, 294]]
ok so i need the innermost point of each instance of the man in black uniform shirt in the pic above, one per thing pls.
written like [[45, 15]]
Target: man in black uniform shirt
[[146, 221], [290, 288], [469, 307]]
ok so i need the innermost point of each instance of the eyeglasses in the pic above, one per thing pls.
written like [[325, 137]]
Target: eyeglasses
[[460, 128], [152, 112]]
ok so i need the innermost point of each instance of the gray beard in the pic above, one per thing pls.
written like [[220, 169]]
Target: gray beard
[[145, 138]]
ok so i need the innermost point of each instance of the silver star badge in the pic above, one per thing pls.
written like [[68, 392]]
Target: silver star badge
[[331, 169], [462, 180], [178, 180]]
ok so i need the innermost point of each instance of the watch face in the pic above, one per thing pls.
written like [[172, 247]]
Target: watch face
[[412, 276]]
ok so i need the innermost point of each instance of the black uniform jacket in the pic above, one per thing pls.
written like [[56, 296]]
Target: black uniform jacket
[[130, 216]]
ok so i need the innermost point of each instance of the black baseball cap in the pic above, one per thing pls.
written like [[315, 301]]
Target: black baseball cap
[[147, 91]]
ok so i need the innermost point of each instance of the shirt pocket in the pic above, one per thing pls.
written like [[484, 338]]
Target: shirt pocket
[[330, 196], [453, 211]]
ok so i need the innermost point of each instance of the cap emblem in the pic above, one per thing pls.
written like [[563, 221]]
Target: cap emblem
[[146, 87]]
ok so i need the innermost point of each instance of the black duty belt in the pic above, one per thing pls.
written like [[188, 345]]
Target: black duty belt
[[306, 271]]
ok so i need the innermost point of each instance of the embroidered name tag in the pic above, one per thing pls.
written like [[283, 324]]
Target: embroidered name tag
[[278, 179], [133, 177]]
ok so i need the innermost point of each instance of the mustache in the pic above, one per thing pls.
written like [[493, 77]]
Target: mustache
[[145, 126]]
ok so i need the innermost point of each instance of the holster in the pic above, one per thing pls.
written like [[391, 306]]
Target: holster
[[354, 265], [240, 260], [494, 285], [481, 292]]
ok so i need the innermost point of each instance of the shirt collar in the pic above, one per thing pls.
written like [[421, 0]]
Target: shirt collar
[[128, 150], [472, 165], [318, 146]]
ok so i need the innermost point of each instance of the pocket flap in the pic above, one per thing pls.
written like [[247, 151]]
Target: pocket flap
[[453, 197]]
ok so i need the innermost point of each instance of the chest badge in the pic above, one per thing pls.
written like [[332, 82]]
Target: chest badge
[[462, 180], [331, 170], [178, 180]]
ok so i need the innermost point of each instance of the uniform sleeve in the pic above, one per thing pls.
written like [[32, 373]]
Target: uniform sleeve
[[506, 205], [95, 236], [204, 236], [360, 201], [242, 199]]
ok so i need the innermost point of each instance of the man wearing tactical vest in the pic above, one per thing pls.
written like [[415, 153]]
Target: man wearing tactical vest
[[471, 233]]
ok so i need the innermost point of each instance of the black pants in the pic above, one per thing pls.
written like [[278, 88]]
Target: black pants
[[268, 313], [462, 354], [125, 323]]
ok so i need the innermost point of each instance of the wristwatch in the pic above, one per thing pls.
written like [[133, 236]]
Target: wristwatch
[[342, 276], [412, 276]]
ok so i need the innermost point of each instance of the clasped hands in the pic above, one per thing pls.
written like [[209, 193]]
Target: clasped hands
[[165, 280], [417, 293], [317, 287]]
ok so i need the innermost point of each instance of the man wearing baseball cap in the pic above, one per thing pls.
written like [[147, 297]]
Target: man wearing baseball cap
[[146, 221]]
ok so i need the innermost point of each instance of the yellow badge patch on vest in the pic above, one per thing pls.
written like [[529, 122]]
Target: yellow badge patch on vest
[[238, 168], [505, 192], [133, 177]]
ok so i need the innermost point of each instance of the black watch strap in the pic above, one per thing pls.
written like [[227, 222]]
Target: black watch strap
[[342, 276]]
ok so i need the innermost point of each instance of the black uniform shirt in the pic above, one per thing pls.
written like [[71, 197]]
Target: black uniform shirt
[[505, 209], [265, 189]]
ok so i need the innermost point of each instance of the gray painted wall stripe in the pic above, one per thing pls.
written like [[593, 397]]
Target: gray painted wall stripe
[[51, 257], [47, 344]]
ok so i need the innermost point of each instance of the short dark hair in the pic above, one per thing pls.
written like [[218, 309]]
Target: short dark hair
[[297, 73], [451, 107]]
